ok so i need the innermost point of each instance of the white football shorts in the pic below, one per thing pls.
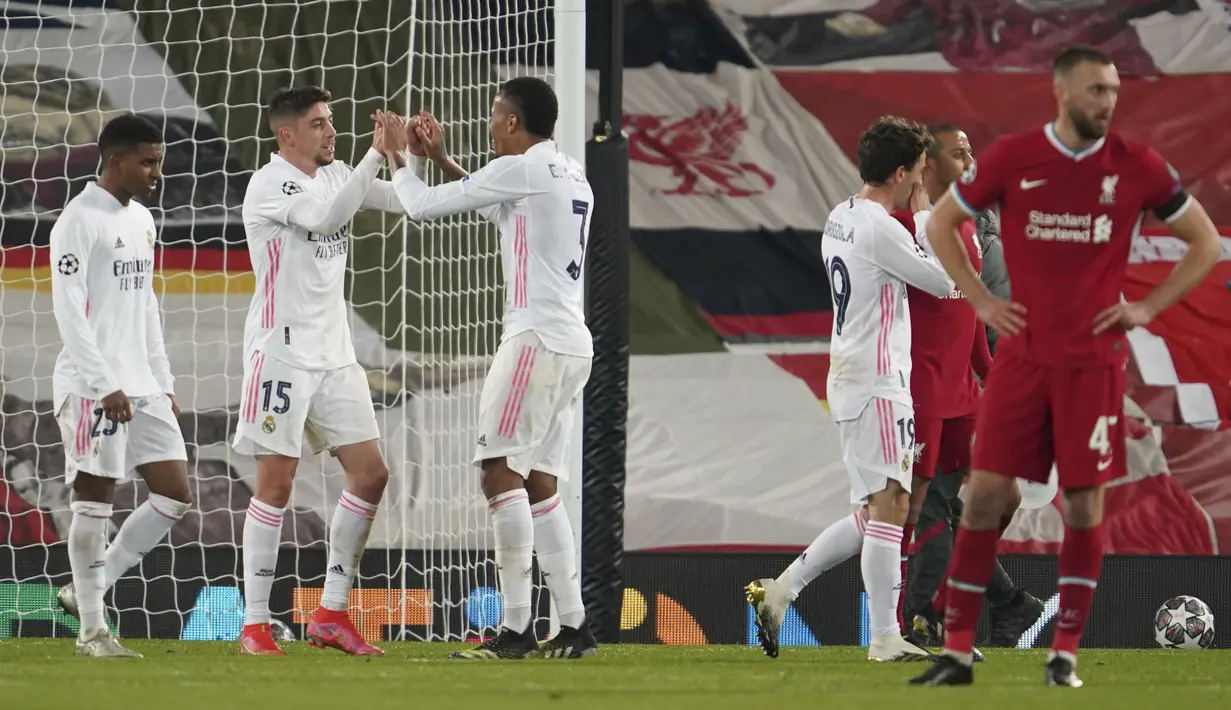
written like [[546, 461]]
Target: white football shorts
[[282, 404], [878, 446], [100, 447], [528, 406]]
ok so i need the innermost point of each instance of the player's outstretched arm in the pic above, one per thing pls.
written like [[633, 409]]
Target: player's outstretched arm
[[895, 250], [327, 214], [71, 244], [1003, 315], [382, 196], [1192, 226], [505, 179]]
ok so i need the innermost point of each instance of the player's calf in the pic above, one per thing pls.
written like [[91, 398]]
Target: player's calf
[[351, 524], [1081, 558]]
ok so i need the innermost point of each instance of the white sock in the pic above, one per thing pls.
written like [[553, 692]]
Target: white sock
[[87, 548], [837, 543], [882, 575], [348, 535], [262, 533], [514, 531], [555, 547], [144, 529]]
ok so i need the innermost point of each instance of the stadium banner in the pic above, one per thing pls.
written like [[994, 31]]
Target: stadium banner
[[192, 594]]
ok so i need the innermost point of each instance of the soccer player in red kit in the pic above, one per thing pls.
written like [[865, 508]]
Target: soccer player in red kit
[[1072, 198], [948, 347]]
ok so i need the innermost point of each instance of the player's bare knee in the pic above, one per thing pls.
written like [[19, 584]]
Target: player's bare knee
[[274, 477], [168, 479], [94, 489], [1083, 507], [891, 505], [540, 486], [368, 481], [498, 478]]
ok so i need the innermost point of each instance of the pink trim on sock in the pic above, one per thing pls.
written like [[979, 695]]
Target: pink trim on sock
[[356, 505], [505, 499], [549, 505]]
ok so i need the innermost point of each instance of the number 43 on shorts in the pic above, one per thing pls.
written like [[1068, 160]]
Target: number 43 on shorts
[[1100, 439]]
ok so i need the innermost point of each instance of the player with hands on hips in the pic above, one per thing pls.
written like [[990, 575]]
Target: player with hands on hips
[[541, 202], [1072, 195], [113, 389], [302, 382]]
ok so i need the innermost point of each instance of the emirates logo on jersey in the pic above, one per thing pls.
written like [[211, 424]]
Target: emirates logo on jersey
[[699, 150]]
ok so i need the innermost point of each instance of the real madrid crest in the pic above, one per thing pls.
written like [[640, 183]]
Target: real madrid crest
[[149, 238], [268, 425], [906, 462], [96, 447]]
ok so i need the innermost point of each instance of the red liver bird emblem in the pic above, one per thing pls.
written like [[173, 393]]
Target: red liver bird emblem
[[700, 151]]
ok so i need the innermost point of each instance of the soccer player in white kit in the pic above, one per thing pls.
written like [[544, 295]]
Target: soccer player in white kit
[[541, 201], [301, 377], [113, 389], [870, 258]]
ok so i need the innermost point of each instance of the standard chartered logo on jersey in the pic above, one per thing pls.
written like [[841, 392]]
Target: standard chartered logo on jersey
[[1068, 227]]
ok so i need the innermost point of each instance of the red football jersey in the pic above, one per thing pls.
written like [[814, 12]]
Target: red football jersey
[[942, 342], [1068, 221]]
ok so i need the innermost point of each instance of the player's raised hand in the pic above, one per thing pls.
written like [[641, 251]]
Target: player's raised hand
[[1007, 317], [432, 136], [117, 408], [413, 144], [395, 132], [378, 133], [1125, 315]]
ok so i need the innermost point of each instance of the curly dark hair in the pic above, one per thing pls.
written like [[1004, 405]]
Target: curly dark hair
[[891, 143]]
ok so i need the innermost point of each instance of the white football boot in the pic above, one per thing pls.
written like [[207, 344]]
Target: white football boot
[[769, 599], [892, 648], [99, 643]]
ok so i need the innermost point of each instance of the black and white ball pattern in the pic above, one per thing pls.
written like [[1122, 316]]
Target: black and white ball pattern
[[1184, 622]]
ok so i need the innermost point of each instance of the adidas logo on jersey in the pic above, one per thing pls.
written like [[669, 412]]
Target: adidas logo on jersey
[[119, 243]]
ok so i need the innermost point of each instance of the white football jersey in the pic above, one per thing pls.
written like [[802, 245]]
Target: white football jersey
[[542, 203], [102, 270], [870, 258], [298, 231]]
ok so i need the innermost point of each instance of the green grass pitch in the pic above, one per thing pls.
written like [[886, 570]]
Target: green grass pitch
[[174, 675]]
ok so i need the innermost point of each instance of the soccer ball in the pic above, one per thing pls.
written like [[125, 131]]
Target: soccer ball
[[1184, 622], [280, 631]]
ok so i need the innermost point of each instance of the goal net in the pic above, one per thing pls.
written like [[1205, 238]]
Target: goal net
[[426, 300]]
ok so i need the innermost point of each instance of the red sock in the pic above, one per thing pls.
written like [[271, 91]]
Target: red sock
[[974, 556], [908, 535], [1081, 557]]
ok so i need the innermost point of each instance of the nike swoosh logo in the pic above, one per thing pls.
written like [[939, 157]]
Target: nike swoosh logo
[[1031, 184], [1104, 465]]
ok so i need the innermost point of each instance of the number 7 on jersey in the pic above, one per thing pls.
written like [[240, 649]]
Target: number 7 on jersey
[[582, 208]]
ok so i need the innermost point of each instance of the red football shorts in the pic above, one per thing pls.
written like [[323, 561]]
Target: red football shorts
[[945, 444], [1033, 415]]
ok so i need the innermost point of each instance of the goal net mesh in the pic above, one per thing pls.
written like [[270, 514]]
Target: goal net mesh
[[425, 299]]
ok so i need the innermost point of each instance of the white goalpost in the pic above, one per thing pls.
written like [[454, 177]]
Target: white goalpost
[[425, 299]]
